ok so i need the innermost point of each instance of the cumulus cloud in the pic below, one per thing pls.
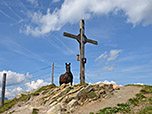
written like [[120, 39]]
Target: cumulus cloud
[[135, 11], [35, 84], [10, 93], [113, 54], [107, 82], [12, 78]]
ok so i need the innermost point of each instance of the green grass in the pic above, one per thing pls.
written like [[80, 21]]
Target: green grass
[[146, 89], [136, 101], [11, 112], [91, 94], [87, 95], [124, 108], [9, 103], [146, 110], [35, 111], [138, 85], [69, 89], [45, 89]]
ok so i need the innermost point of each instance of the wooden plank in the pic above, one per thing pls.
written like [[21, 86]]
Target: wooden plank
[[92, 41], [71, 35]]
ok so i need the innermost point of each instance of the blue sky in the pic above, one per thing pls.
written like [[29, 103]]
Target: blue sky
[[31, 38]]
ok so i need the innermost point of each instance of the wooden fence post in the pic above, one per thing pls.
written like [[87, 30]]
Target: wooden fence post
[[3, 89], [52, 73]]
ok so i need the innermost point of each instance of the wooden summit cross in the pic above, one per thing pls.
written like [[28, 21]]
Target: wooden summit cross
[[82, 39]]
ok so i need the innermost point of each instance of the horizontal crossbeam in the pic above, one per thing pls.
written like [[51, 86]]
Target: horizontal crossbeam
[[70, 36], [92, 41], [77, 37]]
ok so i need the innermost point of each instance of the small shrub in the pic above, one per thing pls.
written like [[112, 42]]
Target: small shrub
[[35, 111], [91, 113], [85, 84], [146, 89], [11, 112], [91, 94]]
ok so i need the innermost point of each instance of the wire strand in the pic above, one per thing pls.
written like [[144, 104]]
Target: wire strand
[[40, 69]]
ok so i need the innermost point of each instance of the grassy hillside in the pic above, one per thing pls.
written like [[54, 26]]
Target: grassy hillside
[[10, 103], [141, 104]]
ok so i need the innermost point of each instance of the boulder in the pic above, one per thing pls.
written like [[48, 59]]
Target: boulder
[[101, 85], [101, 92], [88, 88], [65, 99], [84, 90], [54, 103], [60, 99], [116, 87], [64, 91], [74, 90], [72, 103], [56, 109]]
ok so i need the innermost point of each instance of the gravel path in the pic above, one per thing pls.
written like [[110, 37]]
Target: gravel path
[[120, 96]]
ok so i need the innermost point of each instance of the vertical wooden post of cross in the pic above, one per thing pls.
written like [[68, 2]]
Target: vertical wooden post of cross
[[82, 53], [3, 89]]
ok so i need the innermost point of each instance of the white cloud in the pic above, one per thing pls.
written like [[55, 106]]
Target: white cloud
[[108, 68], [12, 78], [107, 82], [138, 84], [10, 93], [35, 84], [34, 2], [55, 1], [113, 54], [104, 56], [136, 11]]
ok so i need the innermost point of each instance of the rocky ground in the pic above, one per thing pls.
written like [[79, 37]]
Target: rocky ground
[[118, 97], [77, 99]]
